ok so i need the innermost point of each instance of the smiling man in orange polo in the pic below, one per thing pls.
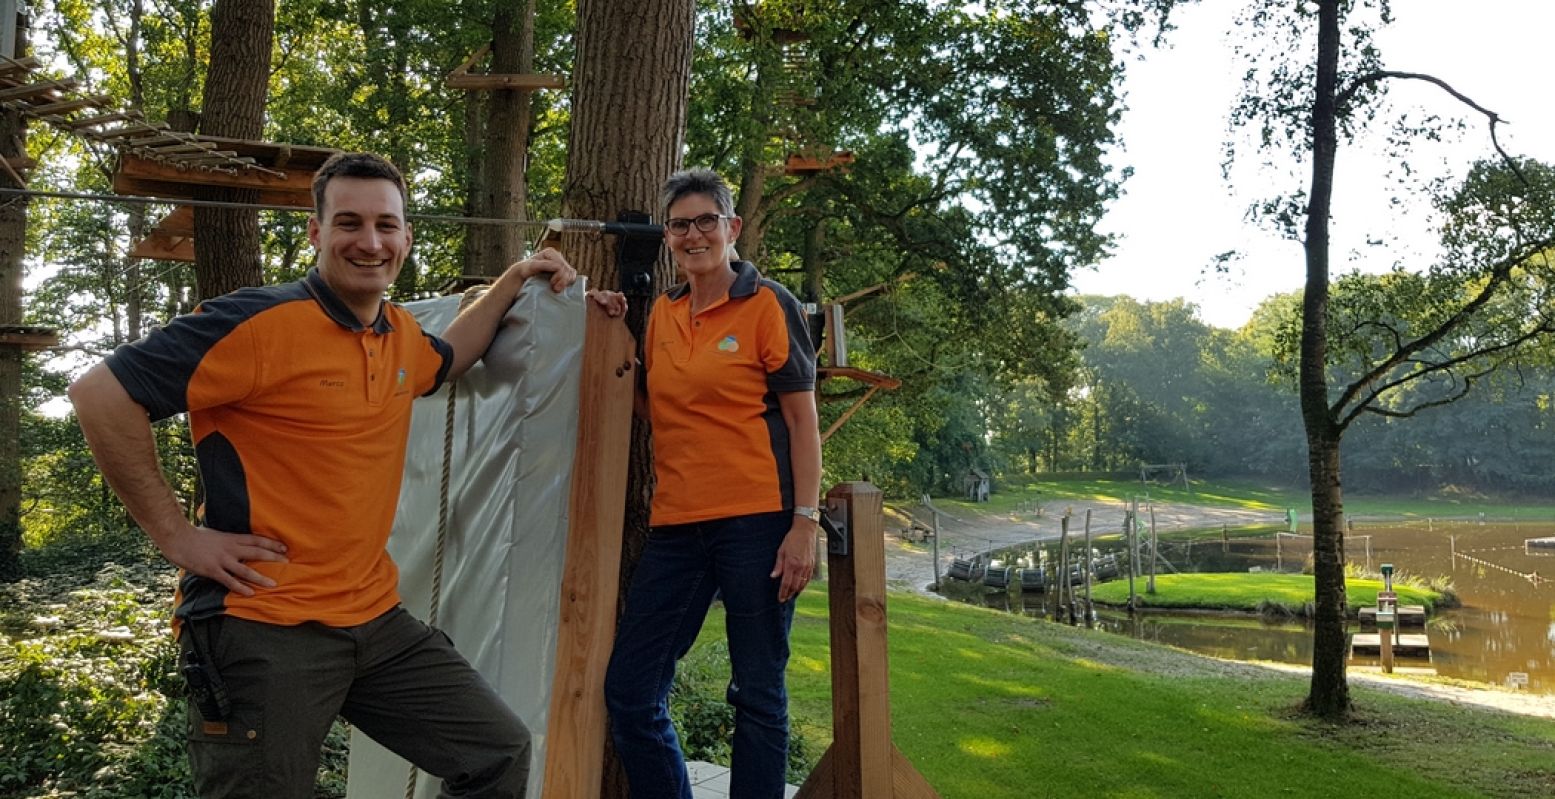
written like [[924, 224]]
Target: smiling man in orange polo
[[299, 399]]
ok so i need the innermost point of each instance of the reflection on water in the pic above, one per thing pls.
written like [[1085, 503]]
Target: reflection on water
[[1505, 627]]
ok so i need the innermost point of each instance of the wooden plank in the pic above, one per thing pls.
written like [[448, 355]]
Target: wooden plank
[[29, 339], [906, 782], [841, 588], [165, 248], [293, 198], [134, 167], [13, 65], [30, 90], [1408, 616], [575, 733], [499, 82], [103, 119], [1413, 645], [178, 223], [848, 414], [861, 375], [874, 700], [819, 784], [66, 106]]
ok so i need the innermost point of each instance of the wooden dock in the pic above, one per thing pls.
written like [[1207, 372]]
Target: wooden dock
[[1410, 645], [1408, 616]]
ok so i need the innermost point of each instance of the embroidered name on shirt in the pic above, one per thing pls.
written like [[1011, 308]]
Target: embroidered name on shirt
[[332, 384]]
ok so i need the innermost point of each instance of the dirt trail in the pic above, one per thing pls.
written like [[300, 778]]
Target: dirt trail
[[910, 565]]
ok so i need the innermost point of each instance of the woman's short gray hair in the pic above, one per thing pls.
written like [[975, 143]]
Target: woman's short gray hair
[[697, 181]]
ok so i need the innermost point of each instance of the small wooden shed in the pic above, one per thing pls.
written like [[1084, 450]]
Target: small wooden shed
[[978, 484]]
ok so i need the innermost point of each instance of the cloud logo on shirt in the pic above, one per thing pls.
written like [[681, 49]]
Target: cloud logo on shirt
[[401, 377], [729, 344]]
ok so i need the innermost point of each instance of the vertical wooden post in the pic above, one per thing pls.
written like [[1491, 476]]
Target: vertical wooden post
[[575, 731], [1131, 535], [861, 763], [1063, 568], [1225, 540], [1089, 567], [935, 533], [1155, 552]]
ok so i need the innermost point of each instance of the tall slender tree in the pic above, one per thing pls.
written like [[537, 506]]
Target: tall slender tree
[[1502, 229]]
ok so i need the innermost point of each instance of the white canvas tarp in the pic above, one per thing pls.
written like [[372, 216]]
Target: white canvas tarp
[[514, 435]]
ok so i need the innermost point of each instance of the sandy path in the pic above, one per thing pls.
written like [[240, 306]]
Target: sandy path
[[912, 566]]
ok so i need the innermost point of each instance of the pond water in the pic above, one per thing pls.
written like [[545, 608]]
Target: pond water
[[1504, 630]]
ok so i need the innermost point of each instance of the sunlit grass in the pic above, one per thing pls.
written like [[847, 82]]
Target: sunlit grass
[[1249, 592], [993, 706]]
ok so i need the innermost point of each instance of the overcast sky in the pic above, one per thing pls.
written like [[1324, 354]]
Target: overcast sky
[[1178, 212]]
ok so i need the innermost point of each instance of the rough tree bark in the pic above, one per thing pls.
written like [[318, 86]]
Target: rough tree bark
[[631, 83], [226, 240], [499, 154], [1329, 694], [13, 240]]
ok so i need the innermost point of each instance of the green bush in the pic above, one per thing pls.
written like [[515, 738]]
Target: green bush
[[705, 720], [88, 676]]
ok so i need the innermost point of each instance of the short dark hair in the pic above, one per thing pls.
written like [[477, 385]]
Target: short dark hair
[[697, 181], [356, 165]]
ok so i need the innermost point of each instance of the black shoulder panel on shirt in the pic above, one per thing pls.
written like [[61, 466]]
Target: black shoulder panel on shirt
[[156, 370]]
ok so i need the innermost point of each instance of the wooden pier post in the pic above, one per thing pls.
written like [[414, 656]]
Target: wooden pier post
[[1155, 552], [934, 533], [1089, 568], [1131, 535], [862, 762], [1063, 609]]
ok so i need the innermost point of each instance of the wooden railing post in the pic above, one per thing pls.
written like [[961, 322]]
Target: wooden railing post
[[575, 730], [862, 763]]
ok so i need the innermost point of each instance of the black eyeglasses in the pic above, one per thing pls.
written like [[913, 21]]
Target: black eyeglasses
[[679, 226]]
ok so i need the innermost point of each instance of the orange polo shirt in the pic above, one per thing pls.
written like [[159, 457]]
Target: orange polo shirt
[[720, 445], [300, 417]]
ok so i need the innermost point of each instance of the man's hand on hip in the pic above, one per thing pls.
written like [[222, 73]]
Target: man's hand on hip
[[222, 557]]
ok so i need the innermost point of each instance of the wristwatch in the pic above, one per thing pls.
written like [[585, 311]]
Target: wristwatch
[[813, 514]]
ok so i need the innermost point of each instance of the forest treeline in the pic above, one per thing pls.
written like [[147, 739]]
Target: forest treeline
[[977, 141]]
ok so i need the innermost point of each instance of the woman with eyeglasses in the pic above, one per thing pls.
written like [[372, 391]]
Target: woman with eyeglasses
[[737, 457]]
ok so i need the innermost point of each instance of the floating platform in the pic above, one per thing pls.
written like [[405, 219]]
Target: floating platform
[[1408, 616], [1402, 671], [1409, 645]]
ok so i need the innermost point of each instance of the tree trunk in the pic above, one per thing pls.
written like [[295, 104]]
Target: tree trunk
[[502, 152], [631, 84], [226, 240], [13, 241], [1329, 696]]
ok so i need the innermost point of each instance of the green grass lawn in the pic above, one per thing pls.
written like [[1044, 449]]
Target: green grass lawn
[[1250, 495], [1250, 592], [988, 705]]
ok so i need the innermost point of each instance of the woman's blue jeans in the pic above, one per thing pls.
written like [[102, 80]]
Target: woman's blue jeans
[[682, 567]]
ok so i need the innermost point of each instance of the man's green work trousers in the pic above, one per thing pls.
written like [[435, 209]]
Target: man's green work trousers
[[394, 678]]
